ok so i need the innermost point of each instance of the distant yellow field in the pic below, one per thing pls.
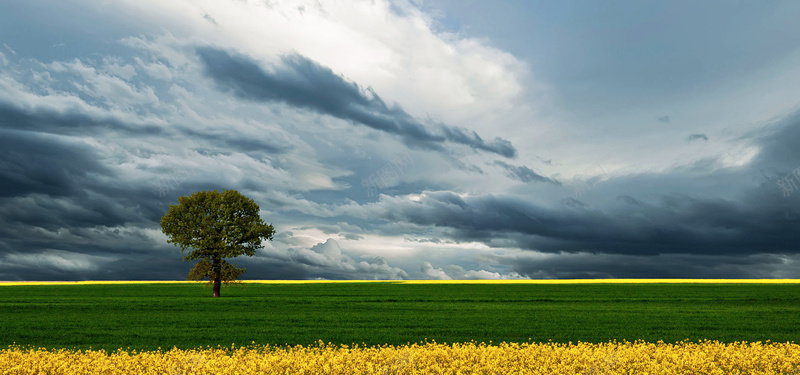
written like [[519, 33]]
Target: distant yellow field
[[517, 281], [609, 281], [93, 282]]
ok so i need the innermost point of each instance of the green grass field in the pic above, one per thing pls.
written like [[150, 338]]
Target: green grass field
[[148, 316]]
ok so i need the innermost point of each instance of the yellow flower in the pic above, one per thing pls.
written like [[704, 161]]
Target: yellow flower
[[706, 357]]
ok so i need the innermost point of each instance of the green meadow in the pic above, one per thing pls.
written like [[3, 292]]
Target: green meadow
[[149, 316]]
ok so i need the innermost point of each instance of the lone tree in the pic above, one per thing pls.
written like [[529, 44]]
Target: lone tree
[[215, 226]]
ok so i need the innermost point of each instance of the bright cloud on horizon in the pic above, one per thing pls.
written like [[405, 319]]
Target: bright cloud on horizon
[[403, 140]]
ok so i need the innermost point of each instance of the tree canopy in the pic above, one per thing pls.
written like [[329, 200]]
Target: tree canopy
[[214, 226]]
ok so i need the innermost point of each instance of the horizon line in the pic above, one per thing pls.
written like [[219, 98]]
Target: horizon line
[[459, 281]]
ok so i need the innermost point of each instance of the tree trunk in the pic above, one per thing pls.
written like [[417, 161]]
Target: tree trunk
[[217, 283], [216, 270]]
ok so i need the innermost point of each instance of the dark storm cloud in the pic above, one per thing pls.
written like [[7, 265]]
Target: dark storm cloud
[[58, 266], [693, 137], [34, 163], [303, 83], [780, 147], [228, 139], [97, 229], [687, 266], [67, 216], [675, 224], [47, 181], [62, 210], [70, 122], [524, 173], [75, 122], [756, 219]]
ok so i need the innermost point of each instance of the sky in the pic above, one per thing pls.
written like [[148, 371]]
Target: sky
[[432, 139]]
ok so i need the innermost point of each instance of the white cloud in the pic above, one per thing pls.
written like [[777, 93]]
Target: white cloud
[[114, 67], [434, 273], [447, 76], [9, 49], [455, 272], [155, 69], [113, 88], [329, 260]]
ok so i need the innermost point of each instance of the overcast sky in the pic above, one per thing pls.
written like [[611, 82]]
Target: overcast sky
[[441, 139]]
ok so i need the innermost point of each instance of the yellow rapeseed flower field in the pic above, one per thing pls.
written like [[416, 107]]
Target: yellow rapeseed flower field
[[708, 357]]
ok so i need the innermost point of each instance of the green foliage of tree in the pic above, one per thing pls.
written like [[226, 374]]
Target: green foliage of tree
[[215, 226]]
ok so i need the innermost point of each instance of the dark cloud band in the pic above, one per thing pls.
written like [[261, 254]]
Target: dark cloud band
[[303, 83]]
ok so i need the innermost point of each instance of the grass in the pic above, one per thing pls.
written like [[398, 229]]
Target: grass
[[148, 316]]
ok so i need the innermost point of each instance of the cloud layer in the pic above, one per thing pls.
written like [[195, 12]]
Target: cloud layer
[[355, 127]]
